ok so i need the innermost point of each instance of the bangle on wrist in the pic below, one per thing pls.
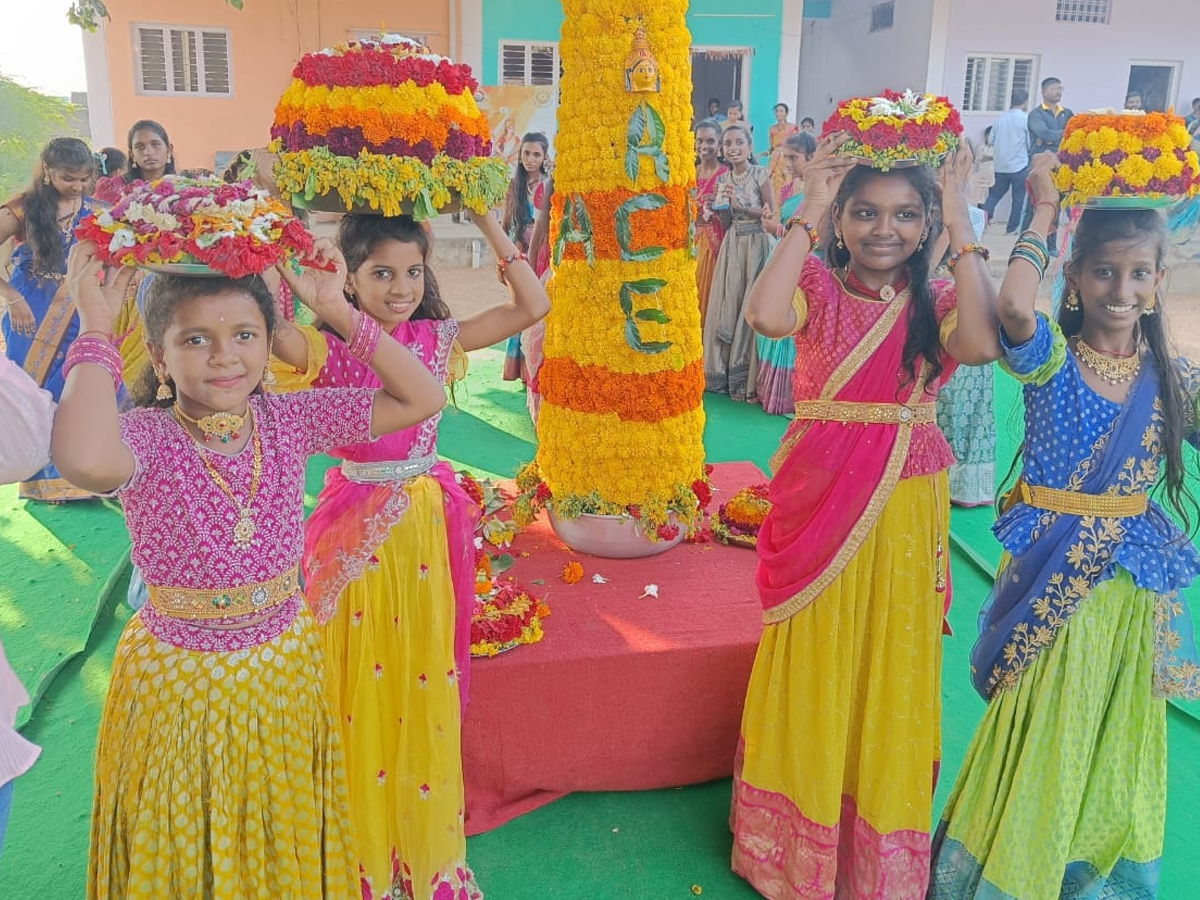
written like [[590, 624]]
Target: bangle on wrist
[[97, 351], [1053, 206], [503, 264], [963, 251], [810, 229]]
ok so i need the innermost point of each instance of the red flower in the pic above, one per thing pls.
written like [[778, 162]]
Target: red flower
[[703, 492]]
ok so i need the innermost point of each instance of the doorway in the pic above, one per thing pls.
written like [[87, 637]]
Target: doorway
[[716, 73], [1157, 82]]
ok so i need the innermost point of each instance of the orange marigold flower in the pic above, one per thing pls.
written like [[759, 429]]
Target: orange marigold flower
[[572, 572]]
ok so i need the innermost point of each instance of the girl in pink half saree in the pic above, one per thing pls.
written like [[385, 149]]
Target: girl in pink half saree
[[390, 568], [833, 784]]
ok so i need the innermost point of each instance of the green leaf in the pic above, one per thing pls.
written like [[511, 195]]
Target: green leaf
[[626, 301], [632, 337], [662, 166], [653, 347], [653, 315], [502, 563], [423, 207], [646, 285], [310, 184], [236, 4], [632, 163], [648, 201], [637, 127], [624, 230], [654, 126], [539, 581], [646, 254]]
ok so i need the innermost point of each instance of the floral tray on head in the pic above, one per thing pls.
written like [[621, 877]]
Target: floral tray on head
[[385, 125], [895, 130], [1127, 159], [191, 226]]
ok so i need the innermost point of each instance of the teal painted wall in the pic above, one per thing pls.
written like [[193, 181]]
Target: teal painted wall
[[757, 25]]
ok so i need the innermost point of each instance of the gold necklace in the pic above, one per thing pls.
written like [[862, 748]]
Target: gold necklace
[[1114, 370], [224, 426], [69, 218], [243, 531]]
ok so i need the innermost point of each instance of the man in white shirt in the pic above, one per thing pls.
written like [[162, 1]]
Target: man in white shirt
[[1010, 138]]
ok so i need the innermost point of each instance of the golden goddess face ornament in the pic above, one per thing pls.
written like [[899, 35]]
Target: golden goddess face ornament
[[641, 68]]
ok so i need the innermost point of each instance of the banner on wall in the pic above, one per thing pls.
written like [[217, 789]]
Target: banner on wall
[[514, 110]]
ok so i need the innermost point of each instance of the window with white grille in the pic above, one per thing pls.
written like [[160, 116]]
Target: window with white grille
[[188, 61], [528, 63], [1093, 11], [883, 16], [991, 80]]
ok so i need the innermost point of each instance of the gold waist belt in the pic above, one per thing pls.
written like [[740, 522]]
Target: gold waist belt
[[192, 603], [867, 413], [1074, 503]]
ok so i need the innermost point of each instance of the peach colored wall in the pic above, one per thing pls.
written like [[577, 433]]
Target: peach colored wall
[[265, 38]]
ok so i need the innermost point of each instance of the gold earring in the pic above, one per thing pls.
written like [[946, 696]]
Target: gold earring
[[1072, 300], [164, 391], [840, 244], [45, 177], [1152, 308], [269, 380]]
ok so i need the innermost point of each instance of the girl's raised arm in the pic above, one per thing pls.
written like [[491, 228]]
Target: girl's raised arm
[[86, 444], [769, 306], [1018, 292], [528, 302], [410, 391], [976, 339]]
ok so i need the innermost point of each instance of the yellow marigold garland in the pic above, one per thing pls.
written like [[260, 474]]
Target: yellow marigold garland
[[622, 304]]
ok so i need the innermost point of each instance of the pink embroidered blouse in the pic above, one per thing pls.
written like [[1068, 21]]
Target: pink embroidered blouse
[[182, 523], [837, 321]]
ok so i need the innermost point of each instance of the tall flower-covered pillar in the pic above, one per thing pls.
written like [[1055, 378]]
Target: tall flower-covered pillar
[[621, 422]]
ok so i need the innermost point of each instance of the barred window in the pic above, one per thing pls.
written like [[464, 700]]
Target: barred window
[[991, 79], [883, 16], [527, 63], [1090, 11], [182, 61]]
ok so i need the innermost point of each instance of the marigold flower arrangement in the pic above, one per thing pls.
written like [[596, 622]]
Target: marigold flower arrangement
[[506, 616], [621, 424], [739, 518], [235, 229], [897, 129], [387, 125], [1126, 158]]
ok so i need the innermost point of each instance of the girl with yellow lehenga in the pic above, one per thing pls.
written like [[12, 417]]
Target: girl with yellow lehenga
[[833, 786], [219, 770], [390, 567]]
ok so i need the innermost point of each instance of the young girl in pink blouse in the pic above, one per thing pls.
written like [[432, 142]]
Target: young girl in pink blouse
[[219, 771]]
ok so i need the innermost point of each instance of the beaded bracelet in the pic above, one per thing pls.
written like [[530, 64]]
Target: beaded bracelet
[[98, 352], [364, 338], [814, 239], [964, 250], [503, 264]]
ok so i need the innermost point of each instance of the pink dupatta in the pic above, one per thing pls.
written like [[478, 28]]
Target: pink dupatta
[[833, 479]]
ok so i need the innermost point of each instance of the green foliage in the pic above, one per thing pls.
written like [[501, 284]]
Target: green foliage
[[625, 228], [88, 13], [28, 120]]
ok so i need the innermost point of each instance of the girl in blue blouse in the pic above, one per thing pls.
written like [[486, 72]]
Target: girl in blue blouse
[[1063, 791]]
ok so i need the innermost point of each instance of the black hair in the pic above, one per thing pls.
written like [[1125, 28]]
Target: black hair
[[786, 110], [709, 125], [802, 143], [1095, 229], [808, 120], [924, 337], [716, 100], [1020, 97], [1129, 94], [358, 235], [237, 167], [743, 129], [1046, 82], [40, 201], [131, 168], [166, 292], [735, 104], [109, 161], [516, 206]]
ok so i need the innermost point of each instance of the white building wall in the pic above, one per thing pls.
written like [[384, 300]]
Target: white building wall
[[842, 58], [1092, 60]]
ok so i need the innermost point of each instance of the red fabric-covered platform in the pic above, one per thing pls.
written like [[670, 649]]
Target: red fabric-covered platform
[[622, 693]]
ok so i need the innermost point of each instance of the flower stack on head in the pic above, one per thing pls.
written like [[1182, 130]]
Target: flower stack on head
[[197, 226], [739, 518], [1128, 158], [897, 129], [384, 125]]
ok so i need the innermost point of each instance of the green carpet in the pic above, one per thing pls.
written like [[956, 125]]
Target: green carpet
[[653, 845]]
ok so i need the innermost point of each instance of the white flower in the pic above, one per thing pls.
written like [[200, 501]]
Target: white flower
[[910, 106], [651, 590], [121, 238], [599, 579]]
